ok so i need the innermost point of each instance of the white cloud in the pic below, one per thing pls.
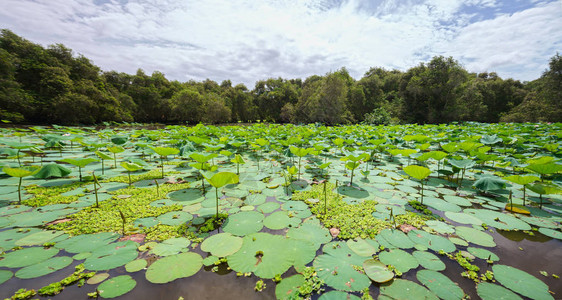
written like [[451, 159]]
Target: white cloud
[[250, 40]]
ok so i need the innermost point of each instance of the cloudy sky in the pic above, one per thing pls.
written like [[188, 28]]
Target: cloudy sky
[[249, 40]]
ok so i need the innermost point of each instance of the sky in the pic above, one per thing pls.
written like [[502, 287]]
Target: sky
[[250, 40]]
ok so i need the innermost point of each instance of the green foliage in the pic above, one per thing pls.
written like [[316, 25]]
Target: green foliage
[[379, 116]]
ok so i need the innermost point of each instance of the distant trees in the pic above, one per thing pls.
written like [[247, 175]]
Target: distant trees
[[52, 85]]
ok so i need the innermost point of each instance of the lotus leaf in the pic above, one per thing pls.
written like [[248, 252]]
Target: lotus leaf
[[557, 234], [440, 284], [5, 275], [244, 223], [401, 289], [336, 268], [43, 268], [268, 207], [337, 295], [52, 170], [488, 183], [136, 265], [429, 260], [499, 220], [112, 256], [463, 218], [27, 257], [277, 220], [38, 238], [431, 241], [288, 288], [441, 205], [402, 260], [490, 291], [310, 232], [171, 246], [521, 282], [99, 277], [363, 247], [222, 244], [418, 172], [174, 218], [397, 238], [377, 271], [116, 286], [172, 267], [86, 242], [483, 253], [475, 236]]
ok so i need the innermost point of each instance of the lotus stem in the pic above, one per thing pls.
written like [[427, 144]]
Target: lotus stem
[[19, 191]]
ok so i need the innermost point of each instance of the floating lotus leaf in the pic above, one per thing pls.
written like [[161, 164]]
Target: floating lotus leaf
[[440, 227], [187, 196], [9, 237], [112, 256], [499, 220], [244, 223], [37, 218], [263, 254], [490, 291], [402, 260], [482, 253], [377, 271], [5, 275], [475, 236], [81, 256], [539, 222], [210, 260], [551, 233], [310, 232], [337, 295], [46, 267], [294, 205], [255, 199], [460, 201], [441, 205], [136, 265], [99, 277], [353, 192], [440, 285], [171, 246], [174, 218], [288, 288], [401, 289], [13, 209], [363, 248], [431, 241], [52, 170], [397, 238], [277, 220], [172, 267], [222, 244], [429, 260], [302, 252], [268, 207], [27, 257], [38, 238], [86, 242], [336, 268], [521, 282], [463, 218], [146, 222], [116, 286]]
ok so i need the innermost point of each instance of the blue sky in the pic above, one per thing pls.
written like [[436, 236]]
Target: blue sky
[[249, 40]]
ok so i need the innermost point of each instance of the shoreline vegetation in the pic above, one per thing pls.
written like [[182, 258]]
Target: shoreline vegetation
[[53, 85]]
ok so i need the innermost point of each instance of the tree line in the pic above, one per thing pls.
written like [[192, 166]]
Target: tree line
[[53, 86]]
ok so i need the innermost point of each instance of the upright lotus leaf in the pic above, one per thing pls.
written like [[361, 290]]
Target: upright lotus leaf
[[450, 147], [544, 189], [545, 169], [103, 157], [489, 183], [377, 271], [201, 163], [462, 164], [219, 180], [418, 172], [238, 160], [80, 163], [300, 152], [52, 170], [522, 180], [164, 152], [130, 167], [521, 282], [490, 139], [440, 284], [20, 173], [116, 286], [115, 150]]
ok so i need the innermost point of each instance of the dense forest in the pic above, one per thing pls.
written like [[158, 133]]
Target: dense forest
[[52, 85]]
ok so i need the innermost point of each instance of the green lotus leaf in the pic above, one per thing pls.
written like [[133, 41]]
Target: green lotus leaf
[[460, 201], [488, 183], [172, 267], [557, 234], [43, 268], [431, 241], [490, 291], [463, 218], [522, 179], [288, 288], [99, 277], [336, 268], [20, 172], [462, 164], [174, 218], [38, 238], [277, 220], [545, 169], [119, 139], [5, 275], [222, 244], [377, 271], [165, 151], [171, 246], [402, 260], [294, 205], [363, 247], [337, 295], [475, 236], [131, 167], [268, 207], [401, 289], [136, 265], [112, 256], [440, 285], [397, 238], [429, 260], [52, 170], [441, 205], [498, 220], [103, 156], [310, 232], [521, 282], [86, 242], [244, 223], [116, 286], [482, 253], [221, 179], [27, 257], [418, 172], [79, 162]]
